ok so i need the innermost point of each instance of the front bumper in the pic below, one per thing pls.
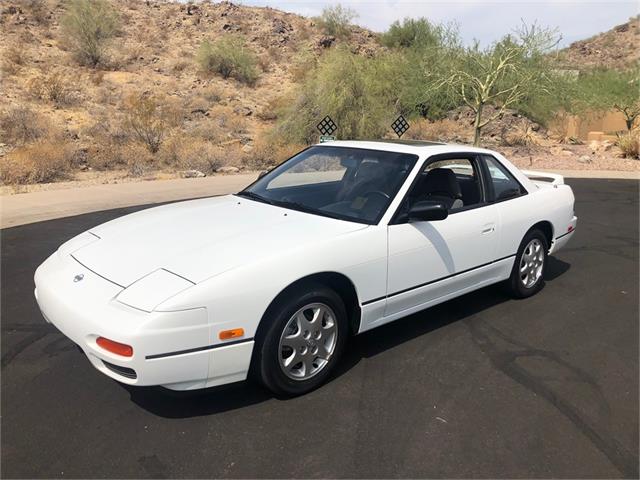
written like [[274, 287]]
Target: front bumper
[[172, 349]]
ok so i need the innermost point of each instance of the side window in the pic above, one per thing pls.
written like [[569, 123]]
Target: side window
[[454, 181], [504, 185]]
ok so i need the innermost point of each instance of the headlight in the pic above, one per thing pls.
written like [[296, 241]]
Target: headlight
[[150, 291]]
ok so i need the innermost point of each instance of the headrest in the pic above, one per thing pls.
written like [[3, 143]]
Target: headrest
[[442, 181]]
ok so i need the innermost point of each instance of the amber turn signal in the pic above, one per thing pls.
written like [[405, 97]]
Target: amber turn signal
[[229, 334], [115, 347]]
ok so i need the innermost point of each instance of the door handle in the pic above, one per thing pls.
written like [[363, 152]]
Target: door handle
[[488, 229]]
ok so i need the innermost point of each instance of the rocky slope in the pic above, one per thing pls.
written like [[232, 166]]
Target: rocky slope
[[155, 54], [616, 48]]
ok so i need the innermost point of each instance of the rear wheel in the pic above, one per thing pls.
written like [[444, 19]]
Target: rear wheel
[[527, 276], [302, 341]]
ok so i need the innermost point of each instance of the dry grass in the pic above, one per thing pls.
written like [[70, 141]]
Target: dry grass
[[14, 58], [521, 136], [20, 125], [56, 87], [196, 154], [266, 154], [629, 144], [444, 130], [149, 119], [44, 161]]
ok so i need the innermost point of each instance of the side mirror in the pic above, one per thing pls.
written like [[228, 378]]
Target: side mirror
[[427, 210]]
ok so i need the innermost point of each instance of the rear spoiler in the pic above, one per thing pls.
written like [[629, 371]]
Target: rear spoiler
[[544, 178]]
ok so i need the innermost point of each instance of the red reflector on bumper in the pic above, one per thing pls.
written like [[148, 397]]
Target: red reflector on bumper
[[115, 347]]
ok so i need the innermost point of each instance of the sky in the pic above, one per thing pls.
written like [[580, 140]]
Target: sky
[[481, 20]]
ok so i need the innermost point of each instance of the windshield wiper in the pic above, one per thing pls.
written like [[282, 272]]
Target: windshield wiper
[[306, 209], [254, 196]]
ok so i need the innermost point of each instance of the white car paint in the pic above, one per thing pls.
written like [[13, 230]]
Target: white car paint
[[168, 279]]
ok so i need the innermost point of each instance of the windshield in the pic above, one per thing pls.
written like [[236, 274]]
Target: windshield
[[347, 183]]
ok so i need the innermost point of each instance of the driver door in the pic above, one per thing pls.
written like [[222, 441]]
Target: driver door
[[430, 261]]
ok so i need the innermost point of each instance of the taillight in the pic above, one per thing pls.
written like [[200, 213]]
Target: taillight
[[115, 347]]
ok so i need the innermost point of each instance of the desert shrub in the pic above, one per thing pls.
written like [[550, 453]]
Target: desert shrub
[[212, 94], [267, 153], [521, 136], [304, 62], [41, 162], [602, 89], [629, 144], [202, 156], [20, 125], [359, 94], [108, 145], [444, 130], [226, 119], [148, 119], [13, 59], [336, 20], [106, 156], [195, 153], [38, 11], [416, 33], [138, 160], [55, 87], [209, 130], [180, 66], [229, 57], [87, 27]]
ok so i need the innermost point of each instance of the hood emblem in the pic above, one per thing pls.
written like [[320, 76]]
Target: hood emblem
[[78, 278]]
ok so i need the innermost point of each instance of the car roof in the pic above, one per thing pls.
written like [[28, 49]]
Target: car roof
[[417, 147]]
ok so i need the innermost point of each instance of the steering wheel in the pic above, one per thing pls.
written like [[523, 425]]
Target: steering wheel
[[378, 192]]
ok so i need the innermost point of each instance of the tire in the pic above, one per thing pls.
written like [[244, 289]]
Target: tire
[[291, 323], [527, 275]]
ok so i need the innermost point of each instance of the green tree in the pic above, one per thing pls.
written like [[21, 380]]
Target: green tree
[[612, 90], [417, 33], [502, 75], [358, 93], [337, 20], [88, 26], [229, 56]]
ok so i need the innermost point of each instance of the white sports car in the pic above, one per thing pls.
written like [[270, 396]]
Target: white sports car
[[342, 238]]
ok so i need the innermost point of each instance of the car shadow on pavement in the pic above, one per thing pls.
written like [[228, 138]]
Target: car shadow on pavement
[[171, 404]]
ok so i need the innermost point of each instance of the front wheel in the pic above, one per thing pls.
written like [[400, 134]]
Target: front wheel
[[528, 269], [302, 341]]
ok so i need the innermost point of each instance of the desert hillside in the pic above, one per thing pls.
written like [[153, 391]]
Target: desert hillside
[[149, 108], [616, 48], [154, 54]]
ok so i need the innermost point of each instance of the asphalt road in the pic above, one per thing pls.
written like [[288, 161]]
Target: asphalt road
[[482, 386]]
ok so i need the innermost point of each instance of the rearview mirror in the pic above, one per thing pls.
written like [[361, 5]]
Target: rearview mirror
[[427, 210]]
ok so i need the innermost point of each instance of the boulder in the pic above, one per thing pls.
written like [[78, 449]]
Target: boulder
[[326, 41], [192, 174], [227, 170]]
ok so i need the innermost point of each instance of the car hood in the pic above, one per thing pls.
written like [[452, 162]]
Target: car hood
[[202, 238]]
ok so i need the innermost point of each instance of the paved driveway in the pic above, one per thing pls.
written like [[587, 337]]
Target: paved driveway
[[482, 386]]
